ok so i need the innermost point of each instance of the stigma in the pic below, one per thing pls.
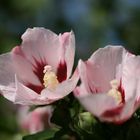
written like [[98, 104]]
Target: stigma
[[114, 91], [50, 78]]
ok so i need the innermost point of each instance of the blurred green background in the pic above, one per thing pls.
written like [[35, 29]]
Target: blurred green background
[[96, 23]]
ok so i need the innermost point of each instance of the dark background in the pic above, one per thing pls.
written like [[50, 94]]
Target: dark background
[[96, 23]]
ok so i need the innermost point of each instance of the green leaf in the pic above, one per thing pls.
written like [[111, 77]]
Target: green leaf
[[43, 135]]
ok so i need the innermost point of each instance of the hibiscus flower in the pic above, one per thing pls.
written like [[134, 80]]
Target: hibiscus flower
[[36, 120], [110, 84], [38, 71]]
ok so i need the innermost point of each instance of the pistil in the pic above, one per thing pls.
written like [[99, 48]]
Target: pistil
[[50, 78], [114, 91]]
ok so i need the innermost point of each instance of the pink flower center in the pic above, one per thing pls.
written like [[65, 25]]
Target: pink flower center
[[39, 70]]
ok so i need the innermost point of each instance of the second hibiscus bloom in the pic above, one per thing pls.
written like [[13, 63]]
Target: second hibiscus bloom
[[110, 84]]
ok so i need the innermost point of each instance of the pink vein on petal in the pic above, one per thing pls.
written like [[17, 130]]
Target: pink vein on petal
[[112, 112], [62, 71], [35, 88], [121, 90], [38, 68]]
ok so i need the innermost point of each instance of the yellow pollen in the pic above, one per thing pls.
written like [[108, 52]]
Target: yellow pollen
[[50, 78], [114, 91]]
